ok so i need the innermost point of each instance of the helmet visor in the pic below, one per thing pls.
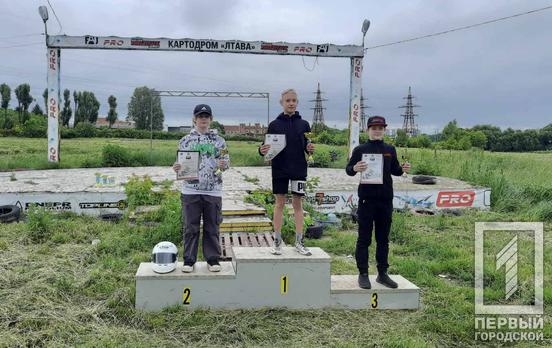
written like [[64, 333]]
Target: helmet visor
[[163, 258]]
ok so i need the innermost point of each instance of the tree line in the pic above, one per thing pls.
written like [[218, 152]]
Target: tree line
[[144, 107]]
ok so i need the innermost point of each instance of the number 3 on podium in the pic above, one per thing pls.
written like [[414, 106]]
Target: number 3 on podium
[[284, 284], [374, 302], [186, 296]]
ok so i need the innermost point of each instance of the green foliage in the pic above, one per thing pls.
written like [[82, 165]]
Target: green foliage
[[37, 110], [39, 224], [88, 107], [419, 141], [322, 159], [218, 126], [35, 127], [24, 99], [84, 129], [401, 139], [116, 156], [66, 112], [142, 106], [112, 114], [138, 191], [5, 94]]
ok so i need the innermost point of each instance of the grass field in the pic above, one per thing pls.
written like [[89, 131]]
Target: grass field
[[57, 289]]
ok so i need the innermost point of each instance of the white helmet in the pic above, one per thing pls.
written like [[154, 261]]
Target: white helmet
[[163, 257]]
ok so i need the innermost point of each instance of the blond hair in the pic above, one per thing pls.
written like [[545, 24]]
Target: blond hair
[[289, 90]]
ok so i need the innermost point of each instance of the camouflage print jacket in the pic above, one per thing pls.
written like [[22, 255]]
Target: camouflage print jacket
[[209, 146]]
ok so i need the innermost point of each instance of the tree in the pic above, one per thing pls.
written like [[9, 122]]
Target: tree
[[478, 139], [145, 108], [451, 130], [37, 110], [66, 112], [24, 99], [218, 126], [76, 100], [402, 138], [88, 107], [112, 114], [45, 96], [5, 93]]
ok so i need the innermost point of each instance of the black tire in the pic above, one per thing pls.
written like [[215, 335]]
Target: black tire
[[9, 213], [424, 180]]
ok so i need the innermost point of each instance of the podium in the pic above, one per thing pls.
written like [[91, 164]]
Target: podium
[[257, 279]]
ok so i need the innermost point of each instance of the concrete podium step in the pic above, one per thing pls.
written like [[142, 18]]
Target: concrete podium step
[[346, 293], [255, 279]]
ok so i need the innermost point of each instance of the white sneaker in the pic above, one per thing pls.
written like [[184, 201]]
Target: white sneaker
[[276, 247], [301, 249], [215, 267], [188, 268]]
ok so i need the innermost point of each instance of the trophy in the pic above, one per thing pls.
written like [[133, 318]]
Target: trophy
[[309, 135], [221, 154]]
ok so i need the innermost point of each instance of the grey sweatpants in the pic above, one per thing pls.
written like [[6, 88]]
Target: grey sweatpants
[[193, 208]]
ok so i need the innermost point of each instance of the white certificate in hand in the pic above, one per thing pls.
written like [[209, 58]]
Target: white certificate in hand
[[189, 165], [277, 143], [374, 172]]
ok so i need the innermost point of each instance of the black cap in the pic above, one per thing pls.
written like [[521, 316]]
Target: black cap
[[203, 109], [376, 121]]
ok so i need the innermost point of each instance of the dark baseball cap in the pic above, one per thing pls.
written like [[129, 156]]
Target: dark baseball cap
[[376, 121], [203, 109]]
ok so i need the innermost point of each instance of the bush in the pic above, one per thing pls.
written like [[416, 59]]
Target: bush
[[116, 156], [322, 159], [85, 130], [35, 127], [39, 224]]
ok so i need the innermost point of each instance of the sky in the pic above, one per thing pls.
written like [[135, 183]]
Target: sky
[[498, 74]]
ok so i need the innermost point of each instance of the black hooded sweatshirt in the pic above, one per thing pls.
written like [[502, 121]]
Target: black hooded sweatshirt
[[290, 163], [381, 192]]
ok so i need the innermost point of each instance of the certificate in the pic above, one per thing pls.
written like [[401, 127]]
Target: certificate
[[277, 143], [189, 165], [374, 172]]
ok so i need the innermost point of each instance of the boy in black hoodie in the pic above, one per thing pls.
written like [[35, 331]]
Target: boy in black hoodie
[[288, 166], [375, 202]]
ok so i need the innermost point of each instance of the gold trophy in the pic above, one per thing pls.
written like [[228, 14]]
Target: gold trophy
[[221, 153], [309, 135]]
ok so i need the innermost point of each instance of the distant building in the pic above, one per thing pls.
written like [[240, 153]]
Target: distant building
[[103, 122], [243, 129], [182, 129]]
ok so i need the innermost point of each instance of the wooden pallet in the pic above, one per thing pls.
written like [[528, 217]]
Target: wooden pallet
[[243, 239]]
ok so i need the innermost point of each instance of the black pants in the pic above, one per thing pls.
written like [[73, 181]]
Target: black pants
[[193, 208], [370, 213]]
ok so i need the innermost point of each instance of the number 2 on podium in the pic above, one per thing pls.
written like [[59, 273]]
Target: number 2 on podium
[[284, 284], [186, 296]]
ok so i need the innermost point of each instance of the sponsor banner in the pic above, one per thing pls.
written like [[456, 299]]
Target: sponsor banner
[[343, 201], [223, 46], [89, 203]]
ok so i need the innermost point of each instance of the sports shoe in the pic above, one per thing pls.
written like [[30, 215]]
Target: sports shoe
[[301, 249], [385, 280], [213, 266], [188, 268], [276, 247], [364, 281]]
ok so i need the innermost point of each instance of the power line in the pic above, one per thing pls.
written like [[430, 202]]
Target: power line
[[55, 15], [17, 36], [461, 28], [22, 45]]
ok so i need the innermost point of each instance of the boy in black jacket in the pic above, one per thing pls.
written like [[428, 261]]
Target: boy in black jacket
[[375, 202], [288, 166]]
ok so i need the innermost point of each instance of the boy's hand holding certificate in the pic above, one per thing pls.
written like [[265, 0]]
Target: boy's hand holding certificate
[[374, 172], [277, 143], [189, 165]]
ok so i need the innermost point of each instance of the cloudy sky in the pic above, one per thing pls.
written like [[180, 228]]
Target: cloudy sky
[[497, 74]]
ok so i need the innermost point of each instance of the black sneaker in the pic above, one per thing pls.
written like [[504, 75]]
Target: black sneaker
[[213, 266], [364, 281], [385, 280]]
